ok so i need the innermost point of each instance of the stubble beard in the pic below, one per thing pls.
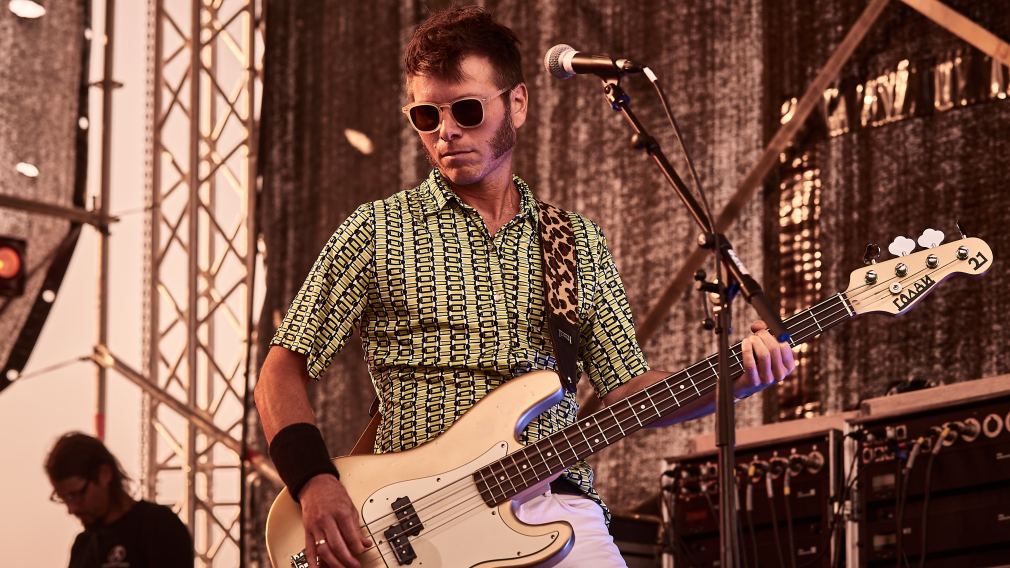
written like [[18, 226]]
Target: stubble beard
[[504, 138], [502, 141]]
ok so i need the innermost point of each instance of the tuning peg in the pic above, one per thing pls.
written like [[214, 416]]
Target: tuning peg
[[901, 246], [872, 254], [930, 238]]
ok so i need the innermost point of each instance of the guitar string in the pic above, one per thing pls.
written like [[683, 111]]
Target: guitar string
[[809, 315], [708, 371], [432, 529], [707, 385], [736, 367]]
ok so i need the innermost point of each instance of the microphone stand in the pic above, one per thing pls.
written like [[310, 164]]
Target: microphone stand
[[731, 270]]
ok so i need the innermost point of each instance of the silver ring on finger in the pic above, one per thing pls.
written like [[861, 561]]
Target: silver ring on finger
[[320, 542]]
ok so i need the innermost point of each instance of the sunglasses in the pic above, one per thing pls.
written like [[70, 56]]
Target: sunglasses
[[468, 112]]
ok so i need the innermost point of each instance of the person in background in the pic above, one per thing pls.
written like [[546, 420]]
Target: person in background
[[119, 531]]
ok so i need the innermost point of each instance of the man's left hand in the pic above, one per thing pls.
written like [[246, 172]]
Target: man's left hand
[[765, 361]]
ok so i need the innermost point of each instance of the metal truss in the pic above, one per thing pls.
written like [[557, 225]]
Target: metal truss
[[205, 61]]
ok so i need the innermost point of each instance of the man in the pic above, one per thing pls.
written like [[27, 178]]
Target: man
[[444, 283], [119, 531]]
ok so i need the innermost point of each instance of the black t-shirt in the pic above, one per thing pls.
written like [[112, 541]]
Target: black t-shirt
[[147, 536]]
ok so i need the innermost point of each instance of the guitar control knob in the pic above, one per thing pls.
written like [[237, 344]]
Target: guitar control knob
[[932, 261], [871, 277], [901, 269], [962, 252]]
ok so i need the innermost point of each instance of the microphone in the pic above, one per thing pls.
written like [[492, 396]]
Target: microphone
[[564, 62]]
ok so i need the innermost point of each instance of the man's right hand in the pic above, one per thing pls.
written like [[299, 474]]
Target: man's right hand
[[329, 515]]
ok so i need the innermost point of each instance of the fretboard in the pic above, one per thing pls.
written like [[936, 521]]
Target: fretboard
[[507, 477]]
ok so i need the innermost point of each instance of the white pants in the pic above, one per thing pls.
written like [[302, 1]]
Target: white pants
[[594, 547]]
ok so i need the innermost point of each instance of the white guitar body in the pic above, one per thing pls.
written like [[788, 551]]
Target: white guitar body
[[459, 528]]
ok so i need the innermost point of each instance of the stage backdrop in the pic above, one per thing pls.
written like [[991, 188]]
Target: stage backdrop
[[333, 137]]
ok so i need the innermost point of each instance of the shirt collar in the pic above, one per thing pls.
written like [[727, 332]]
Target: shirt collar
[[436, 194]]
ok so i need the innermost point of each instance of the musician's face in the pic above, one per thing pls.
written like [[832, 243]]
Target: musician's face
[[466, 156], [86, 499]]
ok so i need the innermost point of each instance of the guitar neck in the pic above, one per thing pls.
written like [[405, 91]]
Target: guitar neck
[[506, 478]]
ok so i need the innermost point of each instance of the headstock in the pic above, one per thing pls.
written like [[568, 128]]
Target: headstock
[[894, 286]]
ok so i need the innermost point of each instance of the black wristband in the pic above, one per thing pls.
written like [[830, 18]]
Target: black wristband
[[300, 454]]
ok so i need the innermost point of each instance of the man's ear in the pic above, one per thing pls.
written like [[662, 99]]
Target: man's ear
[[519, 101]]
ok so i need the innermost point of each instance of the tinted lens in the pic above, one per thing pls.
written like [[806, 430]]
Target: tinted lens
[[424, 117], [468, 113]]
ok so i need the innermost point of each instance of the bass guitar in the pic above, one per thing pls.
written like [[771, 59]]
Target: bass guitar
[[451, 501]]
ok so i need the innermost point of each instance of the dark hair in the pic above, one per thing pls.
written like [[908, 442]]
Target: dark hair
[[443, 40], [77, 454]]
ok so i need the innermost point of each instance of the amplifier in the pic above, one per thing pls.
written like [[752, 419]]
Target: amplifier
[[637, 538], [940, 471], [785, 491]]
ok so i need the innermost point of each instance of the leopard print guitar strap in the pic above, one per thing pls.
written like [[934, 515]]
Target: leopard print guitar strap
[[557, 246]]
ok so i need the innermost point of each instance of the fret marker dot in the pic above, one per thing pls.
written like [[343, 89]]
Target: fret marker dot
[[549, 454], [524, 466], [642, 407], [596, 440], [502, 478], [681, 387], [587, 424]]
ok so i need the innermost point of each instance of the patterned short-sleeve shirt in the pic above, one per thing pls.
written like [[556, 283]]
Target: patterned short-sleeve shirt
[[446, 312]]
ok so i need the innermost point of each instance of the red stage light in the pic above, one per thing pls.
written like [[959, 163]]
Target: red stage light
[[12, 266], [10, 262]]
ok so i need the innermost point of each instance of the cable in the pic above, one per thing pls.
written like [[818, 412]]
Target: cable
[[900, 496], [845, 496], [741, 553], [838, 509], [901, 487], [789, 519], [750, 522], [673, 539], [53, 367], [680, 141], [775, 520], [711, 506], [925, 499]]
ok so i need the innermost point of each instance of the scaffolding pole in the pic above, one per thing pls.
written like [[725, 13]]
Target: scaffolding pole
[[204, 57]]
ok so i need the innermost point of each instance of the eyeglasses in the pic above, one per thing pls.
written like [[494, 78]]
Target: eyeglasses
[[73, 496], [468, 112]]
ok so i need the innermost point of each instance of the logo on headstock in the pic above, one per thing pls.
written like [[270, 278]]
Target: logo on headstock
[[978, 261], [914, 291]]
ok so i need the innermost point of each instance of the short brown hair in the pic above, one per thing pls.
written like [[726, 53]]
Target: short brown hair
[[80, 455], [443, 40]]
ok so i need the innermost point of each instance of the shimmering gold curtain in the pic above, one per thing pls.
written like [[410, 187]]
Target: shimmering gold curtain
[[727, 66], [916, 138]]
